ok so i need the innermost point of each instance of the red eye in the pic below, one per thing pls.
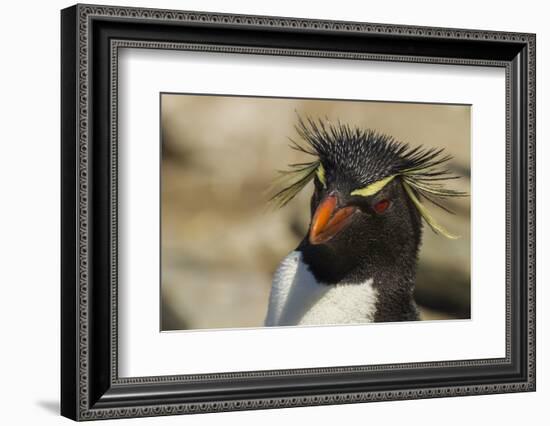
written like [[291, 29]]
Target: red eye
[[381, 206]]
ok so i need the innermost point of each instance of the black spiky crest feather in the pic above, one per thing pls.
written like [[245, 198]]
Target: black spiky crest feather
[[370, 158]]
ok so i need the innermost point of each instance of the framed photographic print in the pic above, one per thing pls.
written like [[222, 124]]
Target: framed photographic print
[[263, 212]]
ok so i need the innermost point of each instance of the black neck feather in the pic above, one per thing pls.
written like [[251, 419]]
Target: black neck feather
[[391, 264]]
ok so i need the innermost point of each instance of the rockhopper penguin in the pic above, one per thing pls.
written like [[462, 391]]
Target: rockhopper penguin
[[357, 262]]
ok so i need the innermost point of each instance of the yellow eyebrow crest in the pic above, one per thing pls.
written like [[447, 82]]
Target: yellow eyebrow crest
[[438, 229], [321, 175], [374, 187]]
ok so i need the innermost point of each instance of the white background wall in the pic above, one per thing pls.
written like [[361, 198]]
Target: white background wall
[[29, 211]]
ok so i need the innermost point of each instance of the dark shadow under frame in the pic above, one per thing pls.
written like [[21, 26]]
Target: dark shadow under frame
[[91, 37]]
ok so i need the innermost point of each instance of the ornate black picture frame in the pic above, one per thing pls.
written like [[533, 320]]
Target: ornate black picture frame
[[91, 36]]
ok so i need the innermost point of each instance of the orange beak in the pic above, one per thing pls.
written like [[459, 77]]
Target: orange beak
[[328, 220]]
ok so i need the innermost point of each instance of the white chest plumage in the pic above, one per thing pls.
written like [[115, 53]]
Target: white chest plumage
[[298, 299]]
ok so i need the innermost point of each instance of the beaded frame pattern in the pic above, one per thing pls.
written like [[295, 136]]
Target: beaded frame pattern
[[87, 12]]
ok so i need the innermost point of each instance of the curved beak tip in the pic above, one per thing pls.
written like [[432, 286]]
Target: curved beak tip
[[328, 220]]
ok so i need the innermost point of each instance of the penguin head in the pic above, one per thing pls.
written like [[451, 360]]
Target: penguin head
[[343, 220], [370, 190]]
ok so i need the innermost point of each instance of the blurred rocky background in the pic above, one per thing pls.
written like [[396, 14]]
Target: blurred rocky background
[[220, 241]]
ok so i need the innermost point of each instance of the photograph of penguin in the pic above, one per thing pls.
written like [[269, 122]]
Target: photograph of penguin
[[357, 229], [357, 263]]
